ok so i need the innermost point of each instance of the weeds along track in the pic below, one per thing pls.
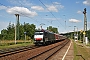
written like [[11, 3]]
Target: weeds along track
[[48, 53], [11, 51]]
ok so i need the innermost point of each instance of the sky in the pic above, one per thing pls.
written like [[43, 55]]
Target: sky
[[62, 14]]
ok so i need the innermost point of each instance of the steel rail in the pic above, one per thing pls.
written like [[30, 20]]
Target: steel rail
[[60, 46], [11, 51]]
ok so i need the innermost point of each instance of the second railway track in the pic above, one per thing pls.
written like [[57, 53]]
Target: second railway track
[[6, 52]]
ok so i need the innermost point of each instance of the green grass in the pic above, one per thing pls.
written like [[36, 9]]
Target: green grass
[[11, 44], [75, 52], [81, 52]]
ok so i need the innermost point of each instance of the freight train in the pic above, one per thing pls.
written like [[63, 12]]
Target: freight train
[[44, 37]]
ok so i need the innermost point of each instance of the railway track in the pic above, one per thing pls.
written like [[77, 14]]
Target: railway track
[[6, 52], [34, 53], [48, 53]]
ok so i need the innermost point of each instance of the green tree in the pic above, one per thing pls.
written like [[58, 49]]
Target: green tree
[[10, 32], [21, 32], [52, 29], [0, 37], [88, 34], [29, 29], [4, 34], [55, 30]]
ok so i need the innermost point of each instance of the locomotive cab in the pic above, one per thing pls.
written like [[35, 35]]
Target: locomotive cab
[[41, 37], [38, 37]]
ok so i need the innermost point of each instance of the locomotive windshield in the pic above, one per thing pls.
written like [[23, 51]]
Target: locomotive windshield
[[39, 33]]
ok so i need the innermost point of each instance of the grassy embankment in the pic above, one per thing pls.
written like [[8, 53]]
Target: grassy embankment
[[11, 43], [81, 52]]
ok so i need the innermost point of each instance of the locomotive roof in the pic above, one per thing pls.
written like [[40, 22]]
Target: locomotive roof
[[42, 30]]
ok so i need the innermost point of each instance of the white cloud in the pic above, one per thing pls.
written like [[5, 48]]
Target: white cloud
[[22, 11], [3, 7], [86, 2], [56, 2], [37, 8], [58, 5], [52, 8], [79, 12], [74, 20]]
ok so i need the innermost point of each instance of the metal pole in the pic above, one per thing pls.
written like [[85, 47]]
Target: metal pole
[[42, 25], [17, 25], [77, 33], [17, 22], [65, 21], [74, 32], [25, 38], [80, 35], [15, 33], [85, 25]]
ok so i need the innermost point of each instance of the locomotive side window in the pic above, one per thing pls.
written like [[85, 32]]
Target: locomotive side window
[[38, 33]]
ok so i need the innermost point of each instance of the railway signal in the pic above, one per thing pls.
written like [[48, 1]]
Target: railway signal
[[85, 27], [74, 33]]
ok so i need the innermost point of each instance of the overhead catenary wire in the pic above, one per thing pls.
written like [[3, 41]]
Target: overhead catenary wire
[[47, 9], [50, 11], [31, 9], [58, 13], [36, 19]]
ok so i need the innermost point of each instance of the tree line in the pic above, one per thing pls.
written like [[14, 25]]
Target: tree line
[[80, 35], [25, 28], [29, 30]]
